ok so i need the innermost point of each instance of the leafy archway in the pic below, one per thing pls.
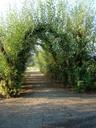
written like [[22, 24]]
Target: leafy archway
[[12, 77], [67, 39]]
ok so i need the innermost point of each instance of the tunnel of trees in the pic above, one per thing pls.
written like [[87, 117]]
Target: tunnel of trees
[[66, 35]]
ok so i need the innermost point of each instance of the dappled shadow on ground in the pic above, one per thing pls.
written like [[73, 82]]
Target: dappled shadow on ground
[[42, 106], [47, 113], [48, 108], [42, 91]]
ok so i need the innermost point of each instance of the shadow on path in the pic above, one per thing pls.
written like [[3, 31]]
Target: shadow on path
[[42, 106]]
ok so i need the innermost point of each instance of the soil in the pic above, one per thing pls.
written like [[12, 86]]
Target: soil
[[41, 105]]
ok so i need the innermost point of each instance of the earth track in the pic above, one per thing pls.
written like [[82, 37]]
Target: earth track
[[43, 106]]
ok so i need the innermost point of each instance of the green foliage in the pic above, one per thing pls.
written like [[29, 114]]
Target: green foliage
[[65, 34], [15, 50], [70, 39]]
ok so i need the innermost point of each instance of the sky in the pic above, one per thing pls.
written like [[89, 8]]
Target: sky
[[5, 5]]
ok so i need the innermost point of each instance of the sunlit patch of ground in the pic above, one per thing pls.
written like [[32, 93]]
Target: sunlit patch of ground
[[32, 69]]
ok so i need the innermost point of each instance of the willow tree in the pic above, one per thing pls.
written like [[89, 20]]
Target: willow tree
[[65, 35], [70, 40]]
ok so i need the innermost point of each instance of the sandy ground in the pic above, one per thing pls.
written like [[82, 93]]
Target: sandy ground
[[47, 107]]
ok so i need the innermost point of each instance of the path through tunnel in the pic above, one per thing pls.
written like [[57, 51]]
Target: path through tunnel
[[41, 57]]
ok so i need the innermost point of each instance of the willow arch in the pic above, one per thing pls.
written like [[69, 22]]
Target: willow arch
[[65, 34], [11, 85]]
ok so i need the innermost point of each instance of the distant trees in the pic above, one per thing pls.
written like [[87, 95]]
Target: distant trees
[[66, 36]]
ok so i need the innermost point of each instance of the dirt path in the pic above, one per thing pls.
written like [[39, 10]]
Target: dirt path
[[46, 107]]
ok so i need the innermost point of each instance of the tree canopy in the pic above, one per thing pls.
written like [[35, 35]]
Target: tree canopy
[[66, 35]]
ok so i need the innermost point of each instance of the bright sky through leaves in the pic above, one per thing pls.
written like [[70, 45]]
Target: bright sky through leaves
[[6, 5]]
